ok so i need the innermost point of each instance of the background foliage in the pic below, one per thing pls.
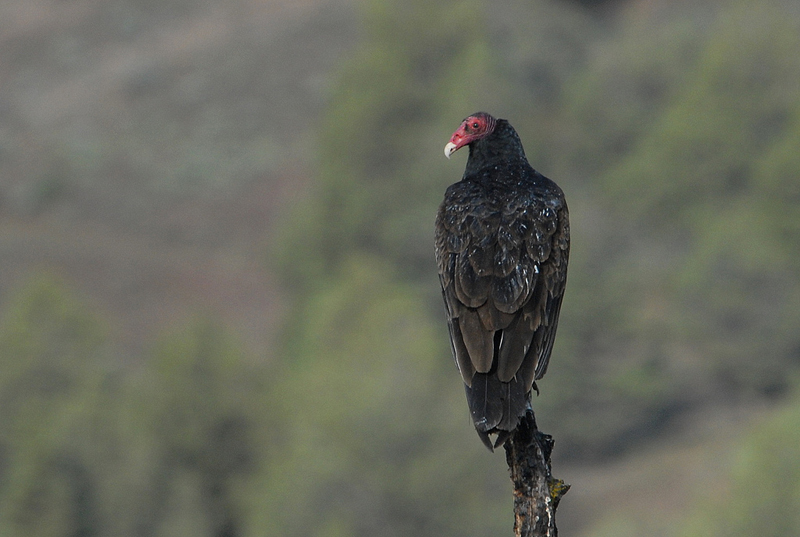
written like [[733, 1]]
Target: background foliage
[[673, 128]]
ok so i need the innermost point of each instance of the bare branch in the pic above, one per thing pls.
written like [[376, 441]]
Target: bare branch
[[536, 491]]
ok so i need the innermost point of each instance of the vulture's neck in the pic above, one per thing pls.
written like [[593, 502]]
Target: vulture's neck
[[501, 146]]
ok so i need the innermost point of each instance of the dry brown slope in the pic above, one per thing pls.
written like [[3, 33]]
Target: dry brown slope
[[111, 134]]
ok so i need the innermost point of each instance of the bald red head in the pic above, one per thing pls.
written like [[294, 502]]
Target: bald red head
[[473, 128]]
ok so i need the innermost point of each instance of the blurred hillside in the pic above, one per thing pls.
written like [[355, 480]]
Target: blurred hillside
[[220, 314], [146, 146]]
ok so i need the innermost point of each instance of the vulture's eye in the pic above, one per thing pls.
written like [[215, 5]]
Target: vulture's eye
[[476, 125]]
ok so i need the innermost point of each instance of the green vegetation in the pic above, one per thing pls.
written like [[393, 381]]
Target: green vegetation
[[762, 496], [674, 130], [88, 449], [52, 354], [372, 446], [668, 140], [396, 93]]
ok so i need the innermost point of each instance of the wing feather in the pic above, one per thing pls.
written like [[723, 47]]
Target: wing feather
[[514, 346], [472, 289], [478, 341], [463, 360]]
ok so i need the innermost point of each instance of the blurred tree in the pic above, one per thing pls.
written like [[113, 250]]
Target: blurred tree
[[85, 451], [665, 127], [371, 430], [706, 198], [52, 351], [380, 178], [763, 492], [681, 289], [373, 447], [200, 400]]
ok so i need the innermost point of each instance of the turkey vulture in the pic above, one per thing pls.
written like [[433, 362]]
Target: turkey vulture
[[502, 244]]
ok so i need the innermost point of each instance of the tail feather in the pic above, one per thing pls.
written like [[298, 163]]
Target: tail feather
[[495, 406]]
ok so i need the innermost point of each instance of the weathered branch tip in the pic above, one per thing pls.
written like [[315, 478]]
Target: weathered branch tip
[[536, 492]]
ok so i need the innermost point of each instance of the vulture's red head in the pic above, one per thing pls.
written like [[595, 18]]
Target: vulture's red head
[[473, 128]]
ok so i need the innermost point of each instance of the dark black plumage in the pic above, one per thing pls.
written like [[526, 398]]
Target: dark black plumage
[[502, 245]]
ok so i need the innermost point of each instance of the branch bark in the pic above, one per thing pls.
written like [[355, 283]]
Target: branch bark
[[536, 491]]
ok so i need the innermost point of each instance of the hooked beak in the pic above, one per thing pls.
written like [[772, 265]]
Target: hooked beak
[[458, 140]]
